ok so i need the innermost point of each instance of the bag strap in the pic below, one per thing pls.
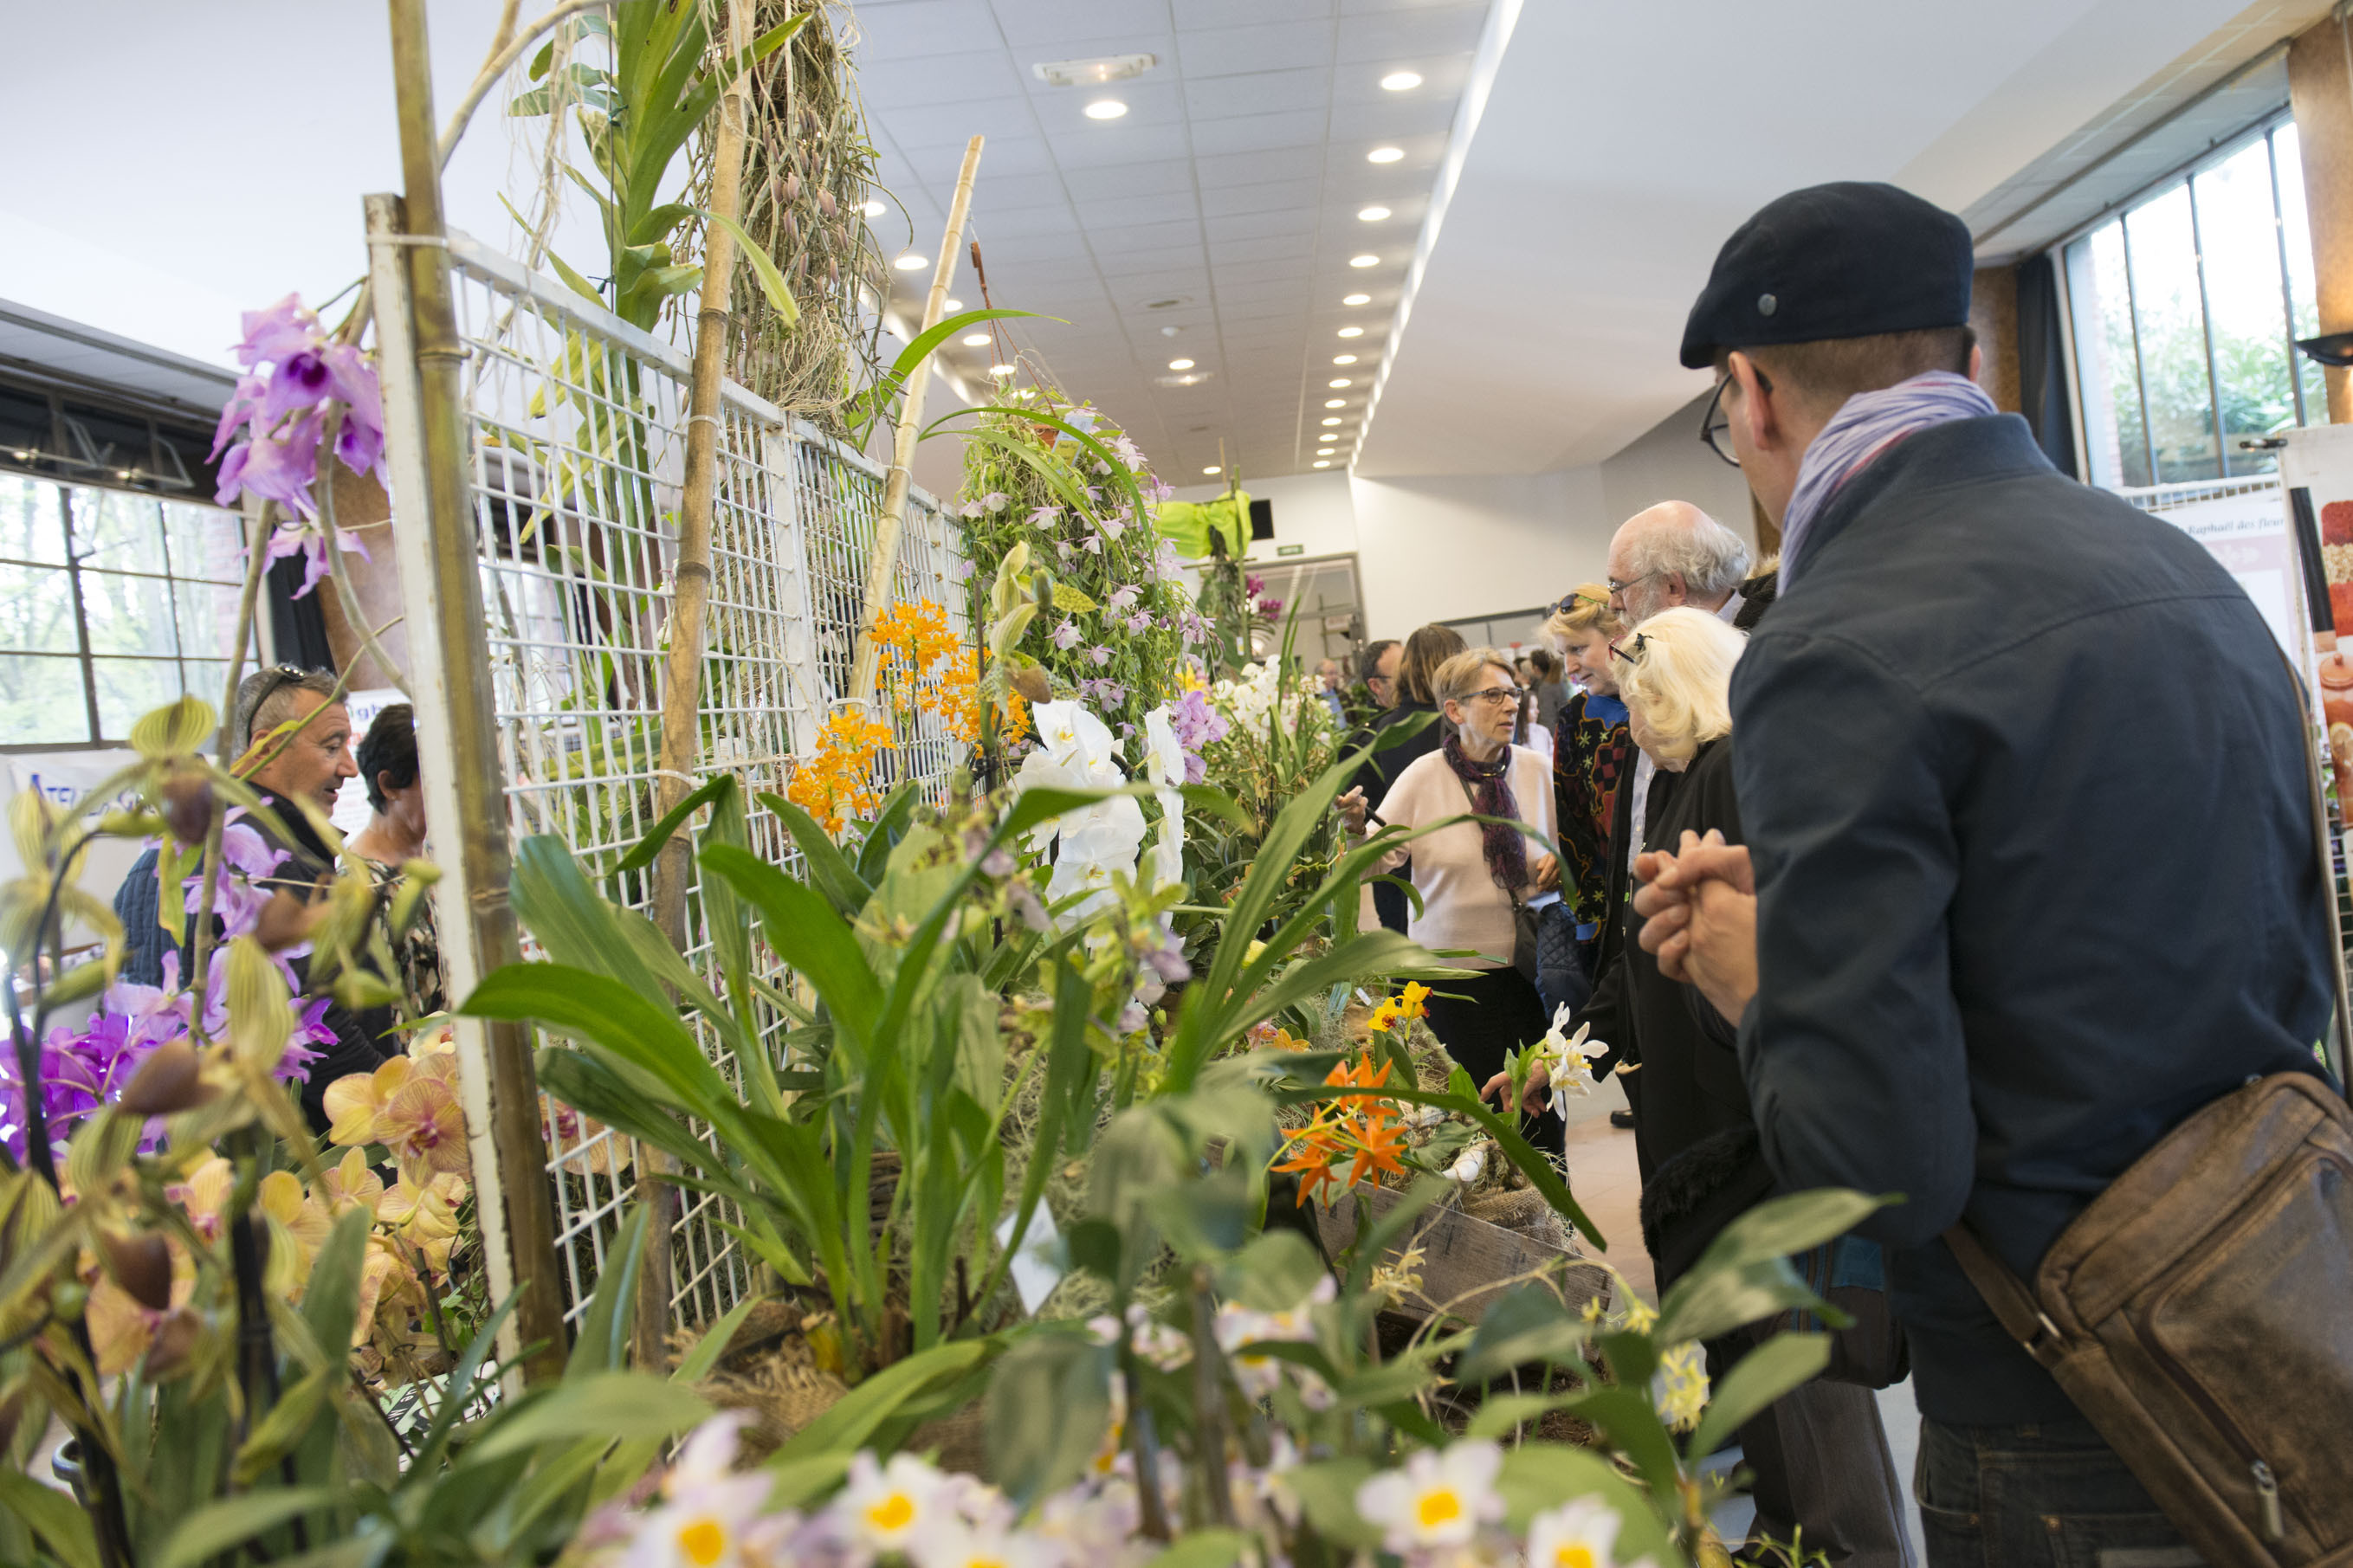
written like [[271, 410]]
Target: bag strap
[[2021, 1317]]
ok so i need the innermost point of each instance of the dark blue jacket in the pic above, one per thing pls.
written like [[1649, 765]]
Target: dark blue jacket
[[2019, 766]]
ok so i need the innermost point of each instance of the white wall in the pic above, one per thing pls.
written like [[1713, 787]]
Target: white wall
[[1450, 546], [1669, 462]]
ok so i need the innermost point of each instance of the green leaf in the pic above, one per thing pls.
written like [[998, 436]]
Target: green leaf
[[610, 1404], [1066, 598], [62, 1526], [222, 1526], [1273, 1273], [1207, 1548], [1708, 1302], [1539, 1476], [330, 1299], [1327, 1493], [1048, 1406], [1500, 1414], [601, 1344], [807, 934], [642, 853], [1781, 1227], [853, 1418], [1526, 1323], [830, 871], [696, 1364], [1762, 1376], [602, 1011], [772, 282]]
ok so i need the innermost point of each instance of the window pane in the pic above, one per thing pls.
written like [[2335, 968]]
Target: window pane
[[2240, 245], [128, 615], [2104, 358], [203, 679], [207, 619], [114, 531], [36, 610], [31, 527], [129, 688], [41, 702], [2296, 232], [206, 541], [2172, 338]]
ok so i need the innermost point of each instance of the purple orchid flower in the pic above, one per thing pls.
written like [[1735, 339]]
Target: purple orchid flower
[[1253, 585], [1044, 516], [279, 333], [1270, 609], [1066, 635], [1100, 655], [1121, 598], [1140, 622]]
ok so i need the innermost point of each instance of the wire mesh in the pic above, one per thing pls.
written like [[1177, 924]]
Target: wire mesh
[[578, 423]]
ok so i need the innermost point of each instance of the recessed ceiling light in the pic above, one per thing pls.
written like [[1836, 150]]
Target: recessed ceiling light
[[911, 262], [1105, 109], [1333, 421], [1401, 81], [1371, 215], [1352, 331], [1319, 463], [1323, 451], [1213, 469], [1335, 403], [1344, 359], [1000, 369], [1363, 261], [1180, 364], [871, 209], [952, 305], [975, 340], [1356, 300], [1339, 381], [1384, 154]]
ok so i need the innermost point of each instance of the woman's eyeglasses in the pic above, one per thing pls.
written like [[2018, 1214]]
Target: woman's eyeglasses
[[1497, 694], [1633, 648]]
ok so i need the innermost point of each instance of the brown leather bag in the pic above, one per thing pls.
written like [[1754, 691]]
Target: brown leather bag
[[2200, 1313]]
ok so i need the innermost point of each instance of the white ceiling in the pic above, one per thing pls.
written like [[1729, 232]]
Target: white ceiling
[[1622, 145], [1232, 185], [189, 167]]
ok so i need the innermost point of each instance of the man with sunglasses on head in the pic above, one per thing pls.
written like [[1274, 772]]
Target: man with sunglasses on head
[[1980, 837], [293, 735]]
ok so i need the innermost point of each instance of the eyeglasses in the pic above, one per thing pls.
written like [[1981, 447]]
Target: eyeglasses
[[1616, 587], [1715, 425], [1633, 648], [1495, 694]]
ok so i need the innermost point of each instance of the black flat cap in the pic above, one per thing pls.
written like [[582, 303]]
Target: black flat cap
[[1843, 260]]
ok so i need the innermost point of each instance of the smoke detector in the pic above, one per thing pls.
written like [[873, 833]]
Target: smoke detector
[[1094, 72]]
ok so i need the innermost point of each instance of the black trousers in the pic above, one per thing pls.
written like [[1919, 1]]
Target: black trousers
[[1497, 1011]]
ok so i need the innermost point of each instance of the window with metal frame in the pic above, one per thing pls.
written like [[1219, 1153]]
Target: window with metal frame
[[112, 603], [2184, 312]]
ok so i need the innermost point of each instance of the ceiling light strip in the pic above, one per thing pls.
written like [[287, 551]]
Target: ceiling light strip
[[1484, 64]]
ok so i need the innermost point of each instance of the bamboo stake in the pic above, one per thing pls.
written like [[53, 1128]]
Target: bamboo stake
[[689, 598], [486, 940], [883, 566]]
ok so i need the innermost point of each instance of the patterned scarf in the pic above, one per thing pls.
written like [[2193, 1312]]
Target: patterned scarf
[[1506, 850], [1869, 424]]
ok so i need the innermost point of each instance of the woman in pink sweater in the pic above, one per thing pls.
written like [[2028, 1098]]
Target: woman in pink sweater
[[1470, 874]]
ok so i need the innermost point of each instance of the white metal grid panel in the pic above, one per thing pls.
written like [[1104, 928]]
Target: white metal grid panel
[[578, 425]]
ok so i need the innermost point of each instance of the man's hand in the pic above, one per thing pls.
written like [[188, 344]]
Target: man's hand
[[1532, 1100], [1352, 809], [1699, 910]]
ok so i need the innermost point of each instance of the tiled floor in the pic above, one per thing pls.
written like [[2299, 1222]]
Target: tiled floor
[[1603, 1177]]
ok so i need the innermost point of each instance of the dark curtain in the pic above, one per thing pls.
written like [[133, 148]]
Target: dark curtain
[[2042, 362], [298, 627]]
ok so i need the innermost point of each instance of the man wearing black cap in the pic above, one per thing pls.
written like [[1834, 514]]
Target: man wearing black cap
[[1980, 833]]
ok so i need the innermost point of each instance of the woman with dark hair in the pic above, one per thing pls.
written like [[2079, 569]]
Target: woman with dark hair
[[394, 836], [1425, 650]]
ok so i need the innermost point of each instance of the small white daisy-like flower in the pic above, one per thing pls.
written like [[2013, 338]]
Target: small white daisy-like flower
[[1578, 1534], [1679, 1388], [1438, 1499], [886, 1506]]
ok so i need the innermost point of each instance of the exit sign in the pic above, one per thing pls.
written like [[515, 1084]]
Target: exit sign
[[1291, 550]]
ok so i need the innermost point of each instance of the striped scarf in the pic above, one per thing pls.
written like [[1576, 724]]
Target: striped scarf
[[1868, 424]]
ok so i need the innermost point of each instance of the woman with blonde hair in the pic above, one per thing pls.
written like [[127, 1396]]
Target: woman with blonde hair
[[1425, 650], [1475, 877], [1820, 1453]]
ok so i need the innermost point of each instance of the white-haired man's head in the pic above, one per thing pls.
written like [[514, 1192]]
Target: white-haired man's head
[[1674, 553]]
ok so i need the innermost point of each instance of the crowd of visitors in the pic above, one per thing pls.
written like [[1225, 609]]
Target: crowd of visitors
[[1861, 892]]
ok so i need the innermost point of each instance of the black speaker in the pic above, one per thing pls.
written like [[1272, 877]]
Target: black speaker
[[1262, 520]]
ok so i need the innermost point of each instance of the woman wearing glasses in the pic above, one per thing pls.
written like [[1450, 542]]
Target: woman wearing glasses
[[1474, 877]]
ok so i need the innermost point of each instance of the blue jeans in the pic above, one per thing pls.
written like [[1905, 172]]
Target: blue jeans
[[2052, 1495]]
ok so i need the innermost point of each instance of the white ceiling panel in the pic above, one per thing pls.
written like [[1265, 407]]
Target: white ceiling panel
[[1222, 189]]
